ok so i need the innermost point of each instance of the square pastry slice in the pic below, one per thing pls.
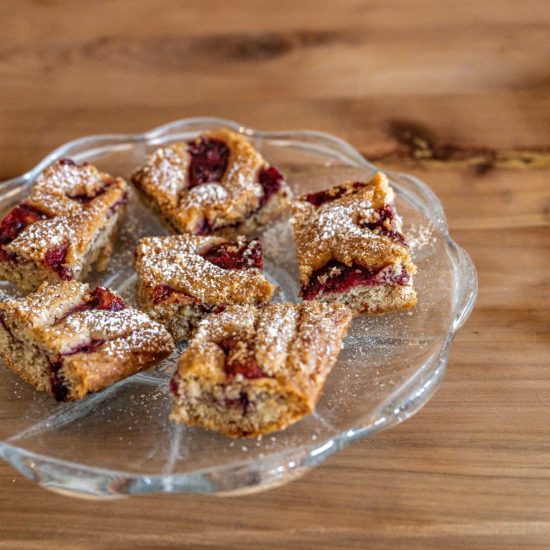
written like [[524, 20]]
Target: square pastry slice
[[182, 278], [65, 226], [70, 341], [350, 248], [216, 184], [250, 371]]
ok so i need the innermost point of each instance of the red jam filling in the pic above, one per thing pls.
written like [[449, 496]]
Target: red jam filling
[[240, 358], [337, 277], [15, 221], [99, 298], [329, 195], [89, 347], [271, 180], [160, 293], [233, 256], [209, 158], [55, 260], [103, 298]]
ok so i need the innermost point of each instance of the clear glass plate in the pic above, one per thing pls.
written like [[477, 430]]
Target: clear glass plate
[[120, 441]]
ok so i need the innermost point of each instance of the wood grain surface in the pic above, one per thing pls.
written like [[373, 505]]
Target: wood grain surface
[[457, 93]]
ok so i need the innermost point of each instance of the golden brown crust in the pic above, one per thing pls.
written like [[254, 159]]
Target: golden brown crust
[[89, 347], [282, 355], [217, 205], [83, 206]]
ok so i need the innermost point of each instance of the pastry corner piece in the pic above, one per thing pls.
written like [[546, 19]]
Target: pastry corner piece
[[251, 371], [183, 278], [351, 249], [71, 341], [215, 184], [63, 228]]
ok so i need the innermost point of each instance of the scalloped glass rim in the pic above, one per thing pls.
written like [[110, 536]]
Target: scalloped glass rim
[[74, 478]]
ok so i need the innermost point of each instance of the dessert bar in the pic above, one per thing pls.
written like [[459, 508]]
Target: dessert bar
[[216, 184], [350, 248], [182, 278], [70, 341], [250, 371], [65, 226]]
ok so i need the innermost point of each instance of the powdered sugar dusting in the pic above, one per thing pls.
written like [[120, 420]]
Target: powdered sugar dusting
[[177, 262], [288, 340], [165, 180], [42, 235], [420, 237], [339, 229], [81, 202], [60, 328]]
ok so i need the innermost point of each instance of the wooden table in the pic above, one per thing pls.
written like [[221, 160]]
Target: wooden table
[[457, 93]]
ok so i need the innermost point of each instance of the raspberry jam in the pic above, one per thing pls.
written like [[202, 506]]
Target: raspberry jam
[[17, 219], [209, 158], [89, 347], [163, 292], [337, 277], [248, 368], [321, 197], [233, 256], [240, 358], [100, 298], [271, 180], [55, 260], [103, 298]]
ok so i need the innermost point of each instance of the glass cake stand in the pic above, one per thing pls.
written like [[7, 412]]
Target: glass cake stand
[[120, 441]]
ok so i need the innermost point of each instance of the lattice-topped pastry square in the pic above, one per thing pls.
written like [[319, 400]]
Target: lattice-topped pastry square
[[69, 340], [250, 371], [65, 226], [182, 278], [216, 184], [350, 247]]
